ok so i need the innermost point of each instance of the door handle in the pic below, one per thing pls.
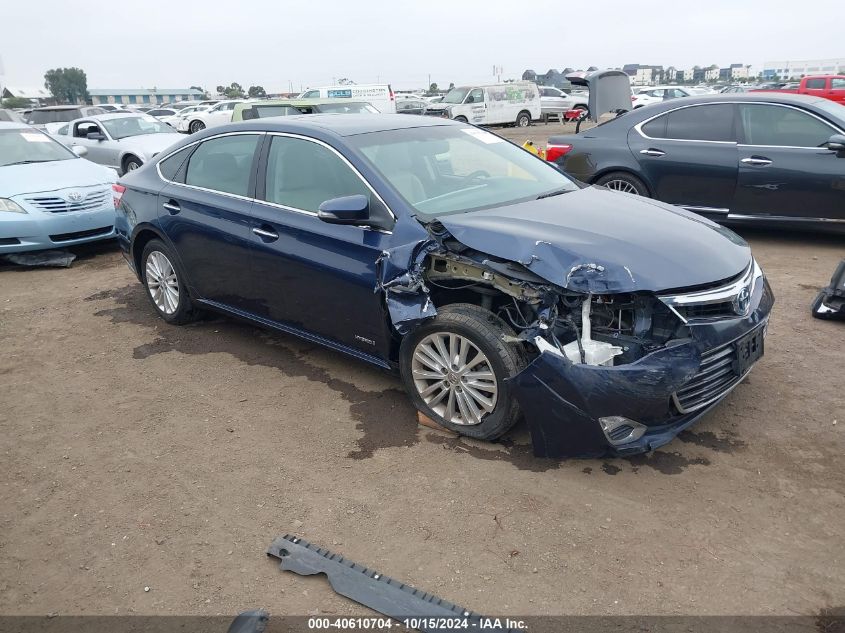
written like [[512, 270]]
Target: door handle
[[753, 160], [264, 234], [172, 207], [652, 152]]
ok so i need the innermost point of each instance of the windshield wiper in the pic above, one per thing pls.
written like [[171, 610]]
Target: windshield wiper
[[556, 192], [27, 162]]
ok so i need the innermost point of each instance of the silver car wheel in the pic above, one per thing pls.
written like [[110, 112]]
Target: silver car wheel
[[162, 283], [132, 165], [621, 185], [454, 378]]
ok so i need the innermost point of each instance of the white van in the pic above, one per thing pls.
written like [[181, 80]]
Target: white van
[[378, 95], [517, 103]]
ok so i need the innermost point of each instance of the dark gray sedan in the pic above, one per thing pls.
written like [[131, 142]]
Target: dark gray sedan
[[770, 159]]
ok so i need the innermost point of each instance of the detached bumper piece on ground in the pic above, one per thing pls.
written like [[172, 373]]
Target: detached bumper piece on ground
[[411, 607], [830, 302]]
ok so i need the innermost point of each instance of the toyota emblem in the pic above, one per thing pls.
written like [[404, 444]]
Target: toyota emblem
[[742, 301], [74, 196]]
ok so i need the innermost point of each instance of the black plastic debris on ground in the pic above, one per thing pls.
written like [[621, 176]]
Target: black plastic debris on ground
[[56, 258], [393, 598]]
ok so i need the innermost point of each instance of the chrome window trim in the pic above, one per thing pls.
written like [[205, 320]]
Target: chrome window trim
[[195, 187], [638, 126], [695, 209], [267, 202], [342, 158], [783, 218]]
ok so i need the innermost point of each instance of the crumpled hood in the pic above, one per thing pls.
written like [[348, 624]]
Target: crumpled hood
[[149, 144], [17, 180], [595, 240]]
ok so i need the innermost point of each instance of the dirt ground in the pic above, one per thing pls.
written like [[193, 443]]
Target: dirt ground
[[137, 454]]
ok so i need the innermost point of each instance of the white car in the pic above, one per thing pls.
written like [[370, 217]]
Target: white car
[[123, 142], [556, 100], [165, 115], [658, 94], [218, 114], [182, 118]]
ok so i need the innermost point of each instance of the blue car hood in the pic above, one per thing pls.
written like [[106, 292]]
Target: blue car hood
[[598, 241], [16, 180]]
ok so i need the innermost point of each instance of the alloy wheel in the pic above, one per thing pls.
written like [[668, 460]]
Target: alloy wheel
[[454, 378], [621, 185], [197, 126], [132, 165], [162, 283]]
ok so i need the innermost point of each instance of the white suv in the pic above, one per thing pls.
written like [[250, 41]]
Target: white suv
[[554, 100], [218, 114]]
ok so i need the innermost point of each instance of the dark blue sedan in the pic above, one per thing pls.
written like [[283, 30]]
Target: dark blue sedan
[[497, 286]]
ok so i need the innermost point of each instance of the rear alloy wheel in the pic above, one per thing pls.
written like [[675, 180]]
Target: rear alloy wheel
[[626, 183], [523, 119], [454, 369], [196, 126], [165, 290]]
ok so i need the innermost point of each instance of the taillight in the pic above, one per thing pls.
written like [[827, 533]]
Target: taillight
[[553, 152], [117, 194]]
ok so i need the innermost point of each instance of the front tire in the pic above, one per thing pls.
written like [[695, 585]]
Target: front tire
[[461, 119], [624, 182], [131, 163], [454, 369], [523, 119], [165, 284], [196, 126]]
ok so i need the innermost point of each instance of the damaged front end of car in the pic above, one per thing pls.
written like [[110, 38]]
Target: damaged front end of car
[[615, 366]]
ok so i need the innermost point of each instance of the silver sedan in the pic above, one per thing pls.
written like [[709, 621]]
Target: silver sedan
[[122, 141]]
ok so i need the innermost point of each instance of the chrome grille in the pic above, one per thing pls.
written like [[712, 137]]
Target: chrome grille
[[729, 301], [715, 378], [57, 204]]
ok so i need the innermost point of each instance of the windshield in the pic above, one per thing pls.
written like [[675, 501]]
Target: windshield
[[449, 169], [18, 147], [835, 111], [134, 126], [40, 117], [455, 95]]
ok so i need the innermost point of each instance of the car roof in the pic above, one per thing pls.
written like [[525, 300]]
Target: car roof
[[116, 115], [339, 124], [14, 125], [61, 107]]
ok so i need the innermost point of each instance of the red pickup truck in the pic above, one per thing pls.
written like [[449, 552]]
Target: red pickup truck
[[828, 86]]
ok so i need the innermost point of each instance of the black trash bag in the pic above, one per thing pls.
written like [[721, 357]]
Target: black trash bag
[[830, 302]]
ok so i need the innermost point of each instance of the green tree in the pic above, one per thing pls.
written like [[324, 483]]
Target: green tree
[[451, 85], [16, 102], [234, 91], [199, 89], [221, 89], [67, 85], [256, 91], [433, 88]]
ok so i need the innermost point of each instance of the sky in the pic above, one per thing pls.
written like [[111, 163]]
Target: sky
[[283, 45]]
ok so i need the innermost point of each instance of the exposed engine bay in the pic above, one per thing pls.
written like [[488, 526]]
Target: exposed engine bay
[[589, 329]]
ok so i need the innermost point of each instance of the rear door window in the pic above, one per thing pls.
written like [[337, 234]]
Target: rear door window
[[223, 164], [778, 125], [701, 123], [837, 84]]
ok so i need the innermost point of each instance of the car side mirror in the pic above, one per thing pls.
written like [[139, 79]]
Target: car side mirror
[[837, 144], [95, 136], [80, 151], [354, 210]]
